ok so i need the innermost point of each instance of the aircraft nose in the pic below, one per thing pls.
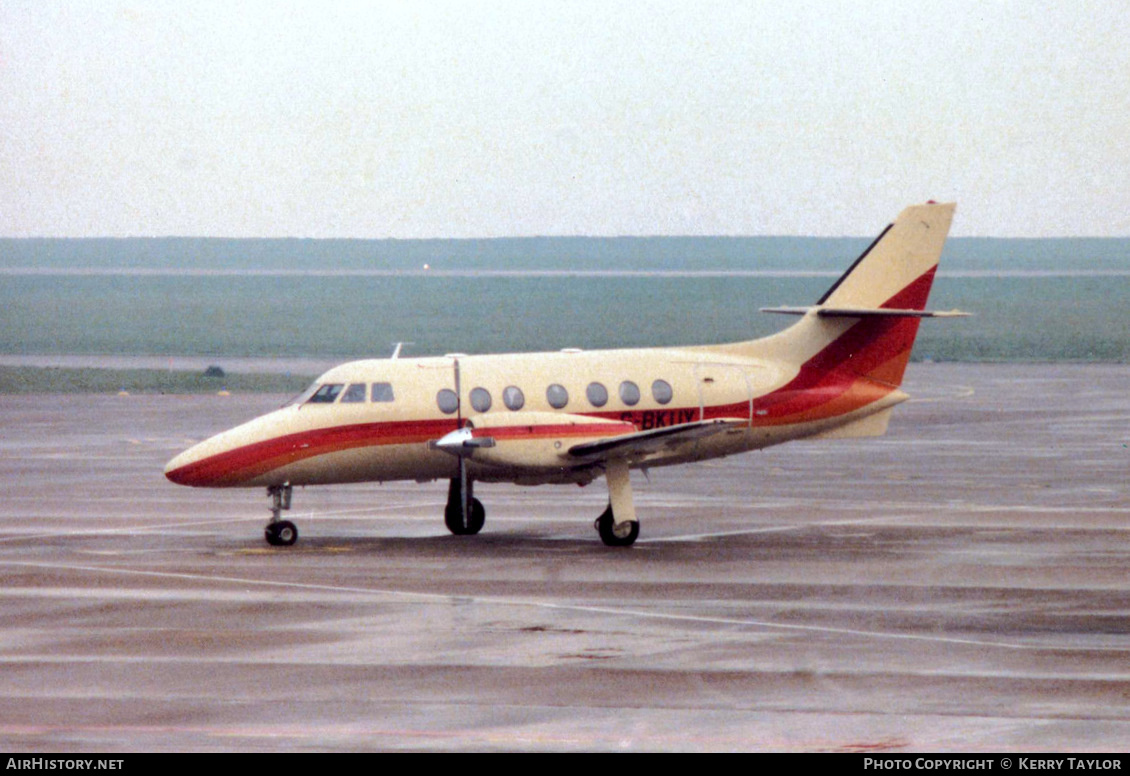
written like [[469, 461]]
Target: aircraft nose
[[246, 453], [233, 457], [206, 464], [181, 470]]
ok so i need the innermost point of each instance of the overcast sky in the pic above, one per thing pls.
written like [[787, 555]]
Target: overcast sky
[[481, 119]]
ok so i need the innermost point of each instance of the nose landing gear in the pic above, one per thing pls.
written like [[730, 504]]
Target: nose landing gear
[[280, 533]]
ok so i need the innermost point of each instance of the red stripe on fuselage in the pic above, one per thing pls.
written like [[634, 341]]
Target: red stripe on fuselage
[[861, 366], [233, 467], [868, 359]]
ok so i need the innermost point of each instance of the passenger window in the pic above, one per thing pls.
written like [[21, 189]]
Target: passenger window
[[629, 393], [354, 394], [661, 390], [597, 394], [513, 398], [327, 394], [447, 400], [480, 399], [557, 396], [382, 392]]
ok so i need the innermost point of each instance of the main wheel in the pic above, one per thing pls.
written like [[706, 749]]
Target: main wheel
[[624, 535], [281, 534], [454, 519]]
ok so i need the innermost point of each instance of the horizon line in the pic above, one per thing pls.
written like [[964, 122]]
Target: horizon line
[[547, 237]]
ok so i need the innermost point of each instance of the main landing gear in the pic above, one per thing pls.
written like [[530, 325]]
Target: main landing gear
[[615, 534], [464, 515], [280, 533], [617, 525]]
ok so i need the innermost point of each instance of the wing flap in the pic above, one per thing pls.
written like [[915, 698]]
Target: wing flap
[[643, 443]]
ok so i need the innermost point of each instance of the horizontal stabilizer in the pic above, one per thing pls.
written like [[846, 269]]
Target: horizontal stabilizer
[[865, 312], [653, 441]]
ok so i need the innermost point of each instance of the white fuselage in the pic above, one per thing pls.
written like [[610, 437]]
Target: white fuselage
[[543, 400]]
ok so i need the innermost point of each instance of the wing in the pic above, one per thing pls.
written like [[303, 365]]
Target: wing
[[644, 443], [534, 441]]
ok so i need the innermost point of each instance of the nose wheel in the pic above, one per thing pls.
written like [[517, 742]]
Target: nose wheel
[[280, 533]]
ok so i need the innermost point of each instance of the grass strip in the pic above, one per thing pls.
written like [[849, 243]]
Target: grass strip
[[37, 380]]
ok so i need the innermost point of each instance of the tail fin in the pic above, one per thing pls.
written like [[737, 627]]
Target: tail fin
[[897, 270], [894, 274], [866, 323]]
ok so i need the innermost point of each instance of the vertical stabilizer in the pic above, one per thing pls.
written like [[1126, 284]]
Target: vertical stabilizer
[[865, 325], [897, 270]]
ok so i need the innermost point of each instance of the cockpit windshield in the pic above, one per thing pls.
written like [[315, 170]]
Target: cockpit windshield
[[304, 397], [353, 393], [327, 393]]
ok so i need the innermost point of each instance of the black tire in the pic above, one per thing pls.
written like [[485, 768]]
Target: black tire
[[281, 534], [454, 520], [604, 526]]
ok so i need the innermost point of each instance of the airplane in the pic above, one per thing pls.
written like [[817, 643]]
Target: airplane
[[574, 416]]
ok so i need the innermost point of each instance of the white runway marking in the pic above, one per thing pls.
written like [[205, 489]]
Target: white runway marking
[[612, 611], [128, 530], [697, 537]]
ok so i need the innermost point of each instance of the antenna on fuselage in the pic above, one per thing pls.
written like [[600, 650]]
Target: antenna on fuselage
[[396, 351]]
